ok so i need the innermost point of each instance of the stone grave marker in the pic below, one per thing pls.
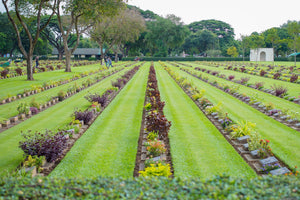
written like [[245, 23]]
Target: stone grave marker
[[269, 160], [280, 171]]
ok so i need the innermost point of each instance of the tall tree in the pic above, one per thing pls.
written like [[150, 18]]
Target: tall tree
[[165, 34], [116, 31], [272, 37], [256, 41], [202, 40], [7, 36], [54, 35], [232, 51], [22, 13], [223, 31], [293, 29], [78, 16], [245, 44]]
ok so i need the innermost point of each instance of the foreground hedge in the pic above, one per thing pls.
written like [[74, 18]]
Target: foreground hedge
[[220, 187]]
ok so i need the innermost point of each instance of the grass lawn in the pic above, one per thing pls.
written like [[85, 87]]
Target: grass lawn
[[263, 97], [293, 88], [108, 148], [53, 118], [13, 86], [197, 147], [283, 140], [10, 109]]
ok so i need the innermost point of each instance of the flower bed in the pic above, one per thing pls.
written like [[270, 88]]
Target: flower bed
[[153, 157]]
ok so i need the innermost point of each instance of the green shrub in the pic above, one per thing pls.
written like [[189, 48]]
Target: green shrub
[[184, 59], [157, 170], [23, 108], [241, 129], [61, 95], [218, 187], [148, 106], [33, 103], [152, 136]]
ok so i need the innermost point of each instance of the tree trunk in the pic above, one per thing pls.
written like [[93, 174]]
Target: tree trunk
[[116, 57], [102, 54], [60, 55], [68, 61], [29, 67]]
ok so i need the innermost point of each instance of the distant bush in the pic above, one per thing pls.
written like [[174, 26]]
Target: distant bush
[[85, 116], [185, 59]]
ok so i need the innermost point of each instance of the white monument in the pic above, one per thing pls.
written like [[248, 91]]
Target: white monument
[[262, 54]]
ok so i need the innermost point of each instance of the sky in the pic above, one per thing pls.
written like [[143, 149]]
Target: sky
[[244, 17]]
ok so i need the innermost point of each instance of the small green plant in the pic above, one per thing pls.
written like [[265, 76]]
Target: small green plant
[[75, 122], [270, 106], [61, 95], [33, 103], [34, 161], [185, 84], [148, 106], [96, 105], [293, 115], [254, 142], [46, 84], [264, 149], [29, 162], [152, 136], [211, 109], [241, 129], [23, 108], [155, 148], [159, 170], [198, 95], [150, 161]]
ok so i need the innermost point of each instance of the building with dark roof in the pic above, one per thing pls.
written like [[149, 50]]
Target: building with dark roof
[[86, 52]]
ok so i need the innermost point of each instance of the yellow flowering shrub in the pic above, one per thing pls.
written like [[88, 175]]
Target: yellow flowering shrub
[[156, 170]]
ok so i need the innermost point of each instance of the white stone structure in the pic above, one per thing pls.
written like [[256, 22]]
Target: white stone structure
[[262, 54]]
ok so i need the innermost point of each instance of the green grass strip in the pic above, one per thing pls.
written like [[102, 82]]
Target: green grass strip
[[293, 89], [197, 147], [53, 118], [14, 86], [263, 97], [10, 109], [108, 148], [283, 139]]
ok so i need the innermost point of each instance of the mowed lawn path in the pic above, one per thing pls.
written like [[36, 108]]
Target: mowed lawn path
[[197, 147], [293, 88], [53, 118], [16, 85], [285, 141], [108, 148], [263, 97]]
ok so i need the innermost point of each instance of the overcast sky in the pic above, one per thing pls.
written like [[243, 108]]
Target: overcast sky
[[244, 16]]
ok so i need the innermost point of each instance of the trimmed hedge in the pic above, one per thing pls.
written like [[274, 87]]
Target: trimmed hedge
[[184, 59], [220, 187], [290, 59]]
